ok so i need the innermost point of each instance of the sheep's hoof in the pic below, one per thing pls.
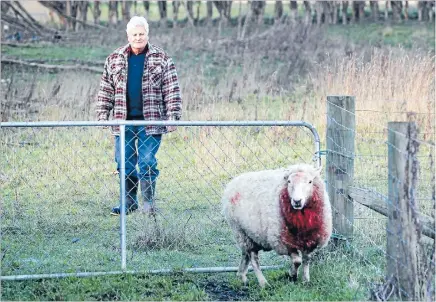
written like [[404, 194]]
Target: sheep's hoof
[[263, 283], [243, 278]]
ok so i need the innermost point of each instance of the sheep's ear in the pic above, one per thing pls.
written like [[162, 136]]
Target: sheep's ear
[[319, 170]]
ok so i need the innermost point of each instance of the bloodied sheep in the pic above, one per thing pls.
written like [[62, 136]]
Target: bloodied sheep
[[285, 210]]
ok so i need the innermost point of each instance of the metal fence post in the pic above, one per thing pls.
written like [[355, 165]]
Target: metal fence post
[[123, 195], [402, 232], [340, 160]]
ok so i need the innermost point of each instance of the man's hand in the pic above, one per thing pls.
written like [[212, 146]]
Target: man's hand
[[171, 128]]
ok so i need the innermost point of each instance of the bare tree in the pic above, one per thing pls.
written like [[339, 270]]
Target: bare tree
[[358, 11], [147, 8], [113, 13], [209, 15], [308, 12], [397, 7], [344, 12], [258, 10], [293, 5], [224, 9], [176, 6], [125, 8], [406, 10], [425, 10], [163, 12], [386, 10], [83, 9], [189, 5], [374, 10], [278, 10], [96, 12]]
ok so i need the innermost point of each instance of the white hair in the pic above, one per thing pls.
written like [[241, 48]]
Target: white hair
[[137, 21]]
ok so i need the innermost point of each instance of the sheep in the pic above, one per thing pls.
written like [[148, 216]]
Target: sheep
[[286, 210]]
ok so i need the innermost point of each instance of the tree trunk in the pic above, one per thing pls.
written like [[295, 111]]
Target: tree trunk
[[197, 15], [336, 7], [97, 12], [240, 20], [209, 15], [189, 5], [319, 6], [258, 10], [125, 8], [248, 20], [176, 6], [83, 8], [278, 10], [293, 5], [71, 10], [308, 12], [386, 10], [423, 11], [162, 12], [344, 12], [147, 8], [374, 10], [113, 13], [406, 10], [358, 11], [397, 7]]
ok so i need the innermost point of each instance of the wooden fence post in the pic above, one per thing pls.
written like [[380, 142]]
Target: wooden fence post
[[402, 232], [340, 161]]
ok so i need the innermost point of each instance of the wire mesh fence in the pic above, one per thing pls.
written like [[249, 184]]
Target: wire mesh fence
[[374, 190], [58, 185]]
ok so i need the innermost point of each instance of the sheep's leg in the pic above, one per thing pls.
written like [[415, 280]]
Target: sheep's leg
[[243, 266], [306, 262], [296, 262], [256, 269]]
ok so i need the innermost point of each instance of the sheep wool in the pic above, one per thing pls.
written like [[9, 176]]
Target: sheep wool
[[286, 210]]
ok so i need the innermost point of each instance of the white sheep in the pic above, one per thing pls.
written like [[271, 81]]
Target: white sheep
[[285, 210]]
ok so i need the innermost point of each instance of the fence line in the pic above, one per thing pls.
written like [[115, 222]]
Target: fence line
[[406, 259], [37, 138]]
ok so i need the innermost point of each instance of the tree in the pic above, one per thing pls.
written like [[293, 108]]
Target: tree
[[163, 12], [397, 7]]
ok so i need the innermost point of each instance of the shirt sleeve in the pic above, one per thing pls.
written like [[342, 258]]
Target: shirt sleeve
[[171, 92], [106, 95]]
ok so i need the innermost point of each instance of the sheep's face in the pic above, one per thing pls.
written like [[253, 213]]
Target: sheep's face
[[300, 188]]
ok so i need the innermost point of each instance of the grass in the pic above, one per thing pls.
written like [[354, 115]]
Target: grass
[[57, 185], [378, 35]]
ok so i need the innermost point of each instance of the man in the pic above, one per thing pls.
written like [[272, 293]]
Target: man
[[139, 82]]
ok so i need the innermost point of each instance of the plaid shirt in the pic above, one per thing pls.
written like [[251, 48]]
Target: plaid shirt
[[160, 89]]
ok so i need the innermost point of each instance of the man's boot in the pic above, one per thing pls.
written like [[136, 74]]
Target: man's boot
[[131, 199], [148, 189]]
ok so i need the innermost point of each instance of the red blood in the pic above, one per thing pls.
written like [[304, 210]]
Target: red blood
[[235, 199], [302, 229]]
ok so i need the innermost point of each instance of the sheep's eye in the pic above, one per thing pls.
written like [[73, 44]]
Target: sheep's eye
[[289, 181], [310, 181]]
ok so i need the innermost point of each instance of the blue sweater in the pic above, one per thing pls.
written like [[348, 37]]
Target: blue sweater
[[134, 86]]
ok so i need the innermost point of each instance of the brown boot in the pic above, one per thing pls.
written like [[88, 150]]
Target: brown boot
[[148, 190]]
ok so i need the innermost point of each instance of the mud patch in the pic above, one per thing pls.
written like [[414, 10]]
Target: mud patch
[[218, 291]]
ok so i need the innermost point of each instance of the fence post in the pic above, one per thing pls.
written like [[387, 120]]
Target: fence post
[[340, 160], [402, 232]]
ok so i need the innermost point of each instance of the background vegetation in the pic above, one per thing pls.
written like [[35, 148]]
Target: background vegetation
[[57, 185]]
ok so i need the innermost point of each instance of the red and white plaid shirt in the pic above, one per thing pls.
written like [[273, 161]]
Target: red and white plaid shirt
[[160, 88]]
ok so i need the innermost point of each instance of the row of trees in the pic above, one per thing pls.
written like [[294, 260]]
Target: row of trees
[[74, 14]]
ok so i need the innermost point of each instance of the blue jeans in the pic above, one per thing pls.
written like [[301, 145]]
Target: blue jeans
[[141, 150]]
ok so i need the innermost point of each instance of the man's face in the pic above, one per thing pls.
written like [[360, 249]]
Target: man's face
[[137, 37]]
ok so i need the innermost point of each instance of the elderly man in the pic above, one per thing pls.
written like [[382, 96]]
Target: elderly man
[[140, 83]]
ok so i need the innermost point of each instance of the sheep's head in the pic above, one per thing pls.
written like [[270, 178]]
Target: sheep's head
[[300, 186]]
